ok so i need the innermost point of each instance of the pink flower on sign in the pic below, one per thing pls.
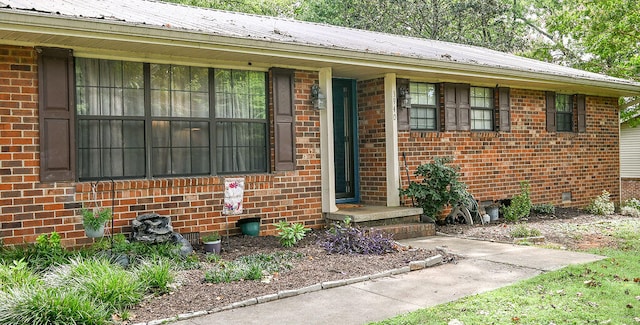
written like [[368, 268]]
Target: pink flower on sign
[[233, 185]]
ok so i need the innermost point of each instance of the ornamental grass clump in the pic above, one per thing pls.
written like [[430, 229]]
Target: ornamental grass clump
[[348, 239], [156, 275], [250, 267], [602, 205], [98, 278], [50, 306]]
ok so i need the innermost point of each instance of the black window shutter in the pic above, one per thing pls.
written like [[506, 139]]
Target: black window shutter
[[284, 118], [464, 106], [450, 107], [551, 111], [404, 114], [504, 108], [582, 113], [56, 110]]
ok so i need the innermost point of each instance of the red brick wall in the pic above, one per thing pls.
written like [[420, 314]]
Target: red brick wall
[[29, 208], [493, 163], [630, 188], [371, 137]]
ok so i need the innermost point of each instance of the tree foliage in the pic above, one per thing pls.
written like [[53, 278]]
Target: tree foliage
[[489, 23]]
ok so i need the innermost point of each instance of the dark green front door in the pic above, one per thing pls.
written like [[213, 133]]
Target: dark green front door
[[345, 140]]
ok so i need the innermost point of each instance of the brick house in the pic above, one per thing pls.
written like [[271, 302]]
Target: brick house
[[168, 101]]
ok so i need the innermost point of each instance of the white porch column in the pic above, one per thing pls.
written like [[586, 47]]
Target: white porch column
[[326, 144], [391, 140]]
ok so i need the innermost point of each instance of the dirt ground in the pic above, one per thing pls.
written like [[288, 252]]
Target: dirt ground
[[315, 266], [571, 229], [565, 229]]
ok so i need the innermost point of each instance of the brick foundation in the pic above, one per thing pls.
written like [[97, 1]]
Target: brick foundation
[[630, 188]]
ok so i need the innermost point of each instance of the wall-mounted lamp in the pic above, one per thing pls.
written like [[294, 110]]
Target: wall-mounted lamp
[[404, 98], [318, 98]]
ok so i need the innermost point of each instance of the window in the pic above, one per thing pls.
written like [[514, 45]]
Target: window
[[186, 120], [564, 113], [111, 121], [423, 115], [481, 108]]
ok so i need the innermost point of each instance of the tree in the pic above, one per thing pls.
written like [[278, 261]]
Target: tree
[[488, 23], [277, 8], [598, 36]]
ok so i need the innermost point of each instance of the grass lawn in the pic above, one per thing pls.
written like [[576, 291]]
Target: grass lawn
[[603, 292]]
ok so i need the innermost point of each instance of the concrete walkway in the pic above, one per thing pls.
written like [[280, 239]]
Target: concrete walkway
[[486, 266]]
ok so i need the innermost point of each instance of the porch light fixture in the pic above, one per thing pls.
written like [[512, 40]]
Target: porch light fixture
[[318, 98], [404, 98]]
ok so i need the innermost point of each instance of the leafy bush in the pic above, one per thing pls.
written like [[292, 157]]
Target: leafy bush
[[46, 251], [347, 239], [250, 267], [440, 186], [633, 203], [630, 211], [52, 306], [156, 275], [520, 206], [544, 208], [521, 231], [602, 205], [631, 208], [290, 234]]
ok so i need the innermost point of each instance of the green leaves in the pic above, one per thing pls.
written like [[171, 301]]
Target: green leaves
[[290, 234], [440, 186]]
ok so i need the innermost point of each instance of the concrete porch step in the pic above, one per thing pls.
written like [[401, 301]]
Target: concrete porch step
[[360, 214], [409, 230], [401, 222]]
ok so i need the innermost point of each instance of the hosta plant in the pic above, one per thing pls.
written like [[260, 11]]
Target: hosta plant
[[290, 234]]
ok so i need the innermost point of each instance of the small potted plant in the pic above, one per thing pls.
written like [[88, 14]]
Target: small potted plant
[[212, 243], [94, 221]]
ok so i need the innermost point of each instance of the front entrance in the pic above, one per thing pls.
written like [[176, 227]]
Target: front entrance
[[345, 140]]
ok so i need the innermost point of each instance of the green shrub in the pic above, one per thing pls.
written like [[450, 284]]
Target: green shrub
[[440, 186], [544, 208], [521, 231], [631, 208], [520, 206], [602, 205], [108, 283], [290, 234], [156, 275], [46, 251], [50, 306], [633, 203]]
